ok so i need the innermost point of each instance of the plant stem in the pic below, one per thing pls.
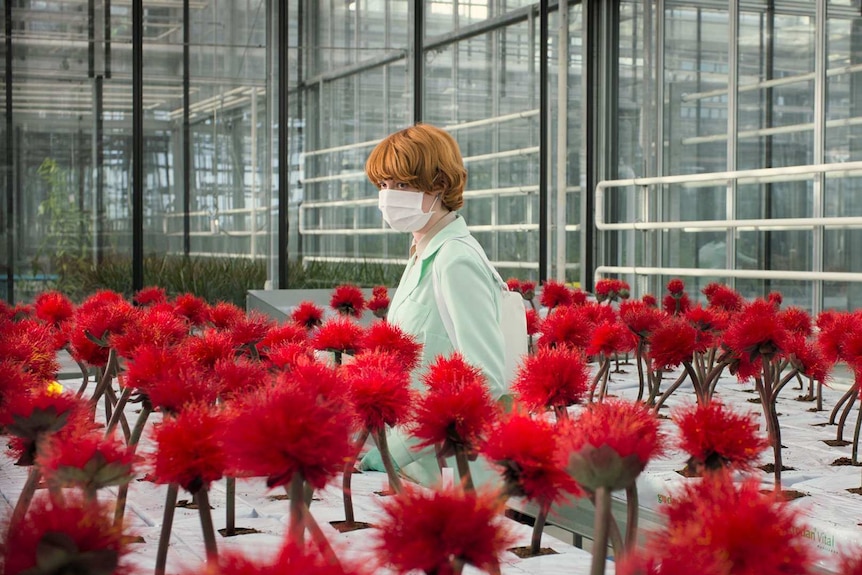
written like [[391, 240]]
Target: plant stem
[[669, 390], [383, 448], [463, 467], [297, 504], [320, 539], [26, 497], [638, 359], [347, 476], [167, 525], [105, 380], [852, 392], [854, 456], [538, 528], [203, 501], [600, 531], [123, 491], [230, 507], [631, 516], [121, 404]]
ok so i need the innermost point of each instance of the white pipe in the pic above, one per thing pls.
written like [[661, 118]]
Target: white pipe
[[562, 138], [791, 129], [745, 274]]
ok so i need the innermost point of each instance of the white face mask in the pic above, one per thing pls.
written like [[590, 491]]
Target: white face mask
[[402, 210]]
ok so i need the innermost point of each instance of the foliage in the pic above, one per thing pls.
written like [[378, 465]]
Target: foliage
[[213, 279]]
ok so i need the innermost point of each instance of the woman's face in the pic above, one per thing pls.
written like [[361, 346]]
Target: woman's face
[[427, 199]]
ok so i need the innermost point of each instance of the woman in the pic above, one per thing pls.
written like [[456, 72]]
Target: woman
[[421, 177]]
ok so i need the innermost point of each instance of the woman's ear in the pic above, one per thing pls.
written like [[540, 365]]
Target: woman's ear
[[441, 183]]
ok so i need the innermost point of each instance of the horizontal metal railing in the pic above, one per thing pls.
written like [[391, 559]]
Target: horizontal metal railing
[[755, 176]]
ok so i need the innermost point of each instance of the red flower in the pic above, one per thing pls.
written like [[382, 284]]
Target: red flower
[[339, 334], [807, 358], [528, 290], [278, 431], [596, 313], [649, 299], [379, 303], [224, 315], [534, 322], [555, 294], [730, 528], [150, 295], [208, 347], [190, 448], [723, 297], [552, 378], [70, 534], [641, 318], [53, 307], [379, 388], [526, 449], [286, 355], [775, 298], [32, 416], [33, 345], [716, 437], [389, 338], [102, 315], [514, 284], [425, 530], [307, 315], [676, 304], [566, 327], [676, 287], [610, 338], [611, 289], [239, 375], [796, 321], [710, 323], [457, 409], [169, 379], [283, 333], [672, 344], [834, 330], [86, 458], [326, 380], [610, 443], [348, 300], [196, 310], [152, 325], [15, 382], [249, 330], [757, 331]]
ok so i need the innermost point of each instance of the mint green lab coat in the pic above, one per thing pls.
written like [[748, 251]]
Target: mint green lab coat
[[473, 298]]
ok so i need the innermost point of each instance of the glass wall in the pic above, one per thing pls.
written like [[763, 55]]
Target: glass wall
[[71, 89], [479, 80], [762, 95], [741, 121]]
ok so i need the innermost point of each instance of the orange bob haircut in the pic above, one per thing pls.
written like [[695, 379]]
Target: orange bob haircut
[[425, 158]]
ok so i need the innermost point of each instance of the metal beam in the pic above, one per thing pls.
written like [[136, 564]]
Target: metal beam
[[187, 144], [543, 140], [283, 137], [137, 145], [9, 161]]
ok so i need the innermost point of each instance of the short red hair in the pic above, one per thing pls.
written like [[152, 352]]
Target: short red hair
[[424, 157]]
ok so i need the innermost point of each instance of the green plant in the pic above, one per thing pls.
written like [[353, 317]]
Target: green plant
[[67, 230]]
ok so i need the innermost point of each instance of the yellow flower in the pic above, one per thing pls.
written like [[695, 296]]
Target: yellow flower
[[54, 388]]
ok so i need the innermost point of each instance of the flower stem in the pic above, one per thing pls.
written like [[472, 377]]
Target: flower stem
[[119, 412], [203, 501], [167, 525], [538, 528], [600, 531], [347, 476], [123, 491], [383, 448], [297, 504], [320, 539], [105, 380], [639, 352], [463, 467], [631, 516], [26, 497], [230, 507]]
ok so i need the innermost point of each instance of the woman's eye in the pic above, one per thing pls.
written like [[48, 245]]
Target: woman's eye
[[402, 186]]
